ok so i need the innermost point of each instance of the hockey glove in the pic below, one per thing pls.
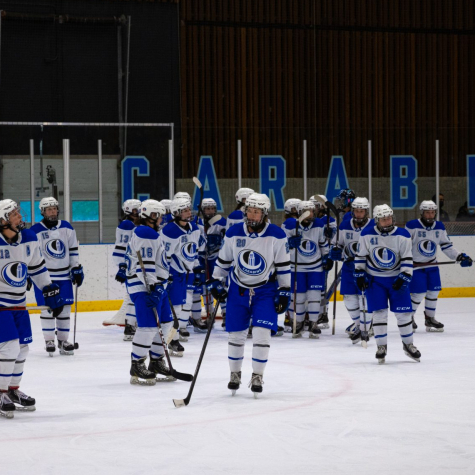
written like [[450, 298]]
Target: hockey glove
[[294, 242], [327, 263], [53, 299], [282, 299], [328, 232], [77, 275], [465, 261], [361, 279], [336, 254], [402, 281], [217, 290], [156, 295], [120, 276], [29, 284], [200, 276]]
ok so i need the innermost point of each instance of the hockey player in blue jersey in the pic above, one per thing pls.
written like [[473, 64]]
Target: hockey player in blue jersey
[[237, 216], [20, 257], [343, 203], [427, 234], [60, 249], [123, 234], [345, 250], [255, 255], [383, 272]]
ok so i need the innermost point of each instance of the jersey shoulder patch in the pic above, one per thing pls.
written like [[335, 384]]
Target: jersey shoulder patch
[[236, 230], [221, 222], [414, 224], [439, 225], [236, 214], [346, 225], [27, 235], [146, 232], [37, 228], [289, 223], [402, 232], [172, 231], [274, 231], [370, 231], [65, 225], [126, 225]]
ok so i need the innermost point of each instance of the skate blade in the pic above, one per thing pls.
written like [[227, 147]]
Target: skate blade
[[7, 414], [381, 360], [364, 344], [128, 337], [176, 354], [296, 335], [323, 326], [166, 379], [356, 341], [199, 330], [50, 354], [66, 353], [313, 336], [25, 408], [434, 330], [233, 392], [278, 334], [183, 338], [140, 382], [412, 357], [287, 330], [255, 395]]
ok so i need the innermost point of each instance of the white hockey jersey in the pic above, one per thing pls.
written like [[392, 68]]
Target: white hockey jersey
[[384, 254], [18, 261], [237, 216], [349, 236], [426, 239], [255, 258], [60, 248], [214, 239], [123, 234]]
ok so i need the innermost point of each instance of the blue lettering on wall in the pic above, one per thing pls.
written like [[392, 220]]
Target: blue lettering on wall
[[337, 179], [129, 165], [272, 178], [207, 177], [471, 181], [403, 182]]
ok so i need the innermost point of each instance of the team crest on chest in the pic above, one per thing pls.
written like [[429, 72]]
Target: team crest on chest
[[251, 262], [384, 257], [427, 248], [56, 249], [351, 249], [307, 248], [189, 251], [15, 274]]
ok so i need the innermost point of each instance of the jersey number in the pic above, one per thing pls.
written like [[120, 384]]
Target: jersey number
[[5, 254], [374, 241], [124, 238], [240, 242], [147, 252]]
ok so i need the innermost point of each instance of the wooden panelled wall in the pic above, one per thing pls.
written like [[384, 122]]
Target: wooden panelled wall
[[334, 72]]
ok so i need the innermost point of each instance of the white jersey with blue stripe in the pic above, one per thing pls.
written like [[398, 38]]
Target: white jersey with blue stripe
[[254, 258], [146, 241], [237, 216], [123, 234], [60, 248], [426, 239], [18, 261], [215, 238], [166, 218], [183, 246], [349, 236], [313, 247], [384, 254]]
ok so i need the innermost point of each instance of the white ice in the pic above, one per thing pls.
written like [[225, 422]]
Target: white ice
[[327, 407]]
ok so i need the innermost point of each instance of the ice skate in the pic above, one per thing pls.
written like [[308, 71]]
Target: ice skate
[[279, 332], [65, 348], [381, 353], [234, 382], [322, 321], [364, 339], [414, 325], [7, 407], [314, 331], [287, 323], [158, 366], [299, 328], [249, 333], [183, 334], [129, 332], [176, 349], [256, 384], [371, 329], [350, 330], [307, 322], [50, 347], [412, 352], [139, 374], [432, 325], [356, 337], [199, 326], [21, 400]]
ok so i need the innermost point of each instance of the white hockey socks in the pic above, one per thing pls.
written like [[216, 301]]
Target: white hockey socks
[[156, 350], [300, 306], [313, 304], [182, 315], [416, 300], [63, 323], [236, 341], [130, 310], [431, 303], [404, 323], [19, 364], [380, 326], [196, 307], [352, 304], [9, 352], [260, 349], [142, 341]]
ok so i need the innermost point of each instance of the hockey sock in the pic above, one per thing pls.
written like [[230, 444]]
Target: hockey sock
[[404, 323], [369, 316], [313, 304], [300, 307], [431, 302], [352, 304], [196, 307], [47, 325], [157, 350], [416, 300], [130, 311], [182, 315], [236, 342], [142, 341], [9, 351], [19, 363], [63, 323], [260, 349], [380, 326]]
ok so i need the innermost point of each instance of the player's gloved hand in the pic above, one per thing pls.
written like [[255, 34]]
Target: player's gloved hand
[[120, 276], [336, 253], [217, 290], [156, 295], [402, 281], [294, 242], [465, 261], [327, 263], [328, 232], [53, 299], [200, 276], [282, 299], [361, 279], [77, 275], [29, 283]]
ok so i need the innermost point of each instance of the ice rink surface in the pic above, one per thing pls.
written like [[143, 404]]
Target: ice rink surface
[[327, 407]]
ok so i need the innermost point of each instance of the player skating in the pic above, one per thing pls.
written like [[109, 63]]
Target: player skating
[[257, 255], [20, 257], [60, 249], [383, 272], [427, 234]]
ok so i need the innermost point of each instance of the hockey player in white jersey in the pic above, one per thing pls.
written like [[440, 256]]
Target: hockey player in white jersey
[[427, 234], [60, 249], [256, 256], [311, 247], [20, 257], [237, 216], [123, 234], [168, 216], [146, 240], [345, 250], [383, 272]]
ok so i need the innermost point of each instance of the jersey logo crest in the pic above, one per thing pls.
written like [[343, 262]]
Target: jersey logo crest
[[189, 251], [307, 248], [384, 258], [427, 248], [55, 249], [15, 274], [351, 249], [251, 262]]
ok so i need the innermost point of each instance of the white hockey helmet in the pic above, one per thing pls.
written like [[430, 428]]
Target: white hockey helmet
[[130, 205], [49, 202], [427, 205], [290, 204], [7, 207], [182, 194], [210, 205], [243, 194], [383, 211], [259, 201], [317, 203], [178, 206], [360, 203], [307, 206], [152, 206], [167, 204]]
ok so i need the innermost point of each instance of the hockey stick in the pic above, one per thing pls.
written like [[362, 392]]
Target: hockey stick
[[433, 264], [76, 345], [185, 402], [364, 342], [176, 374], [325, 300], [334, 285], [17, 309], [176, 323]]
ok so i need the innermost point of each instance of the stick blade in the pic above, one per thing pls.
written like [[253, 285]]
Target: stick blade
[[304, 216], [181, 376], [214, 219], [179, 402], [197, 182]]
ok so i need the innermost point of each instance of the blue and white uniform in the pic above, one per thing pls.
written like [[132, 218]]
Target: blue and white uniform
[[237, 216]]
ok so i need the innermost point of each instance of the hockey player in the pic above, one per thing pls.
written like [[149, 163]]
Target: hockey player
[[123, 233], [237, 216], [312, 249], [145, 239], [343, 203], [257, 255], [345, 249], [168, 217], [20, 256], [184, 249], [383, 272], [60, 249], [427, 234]]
